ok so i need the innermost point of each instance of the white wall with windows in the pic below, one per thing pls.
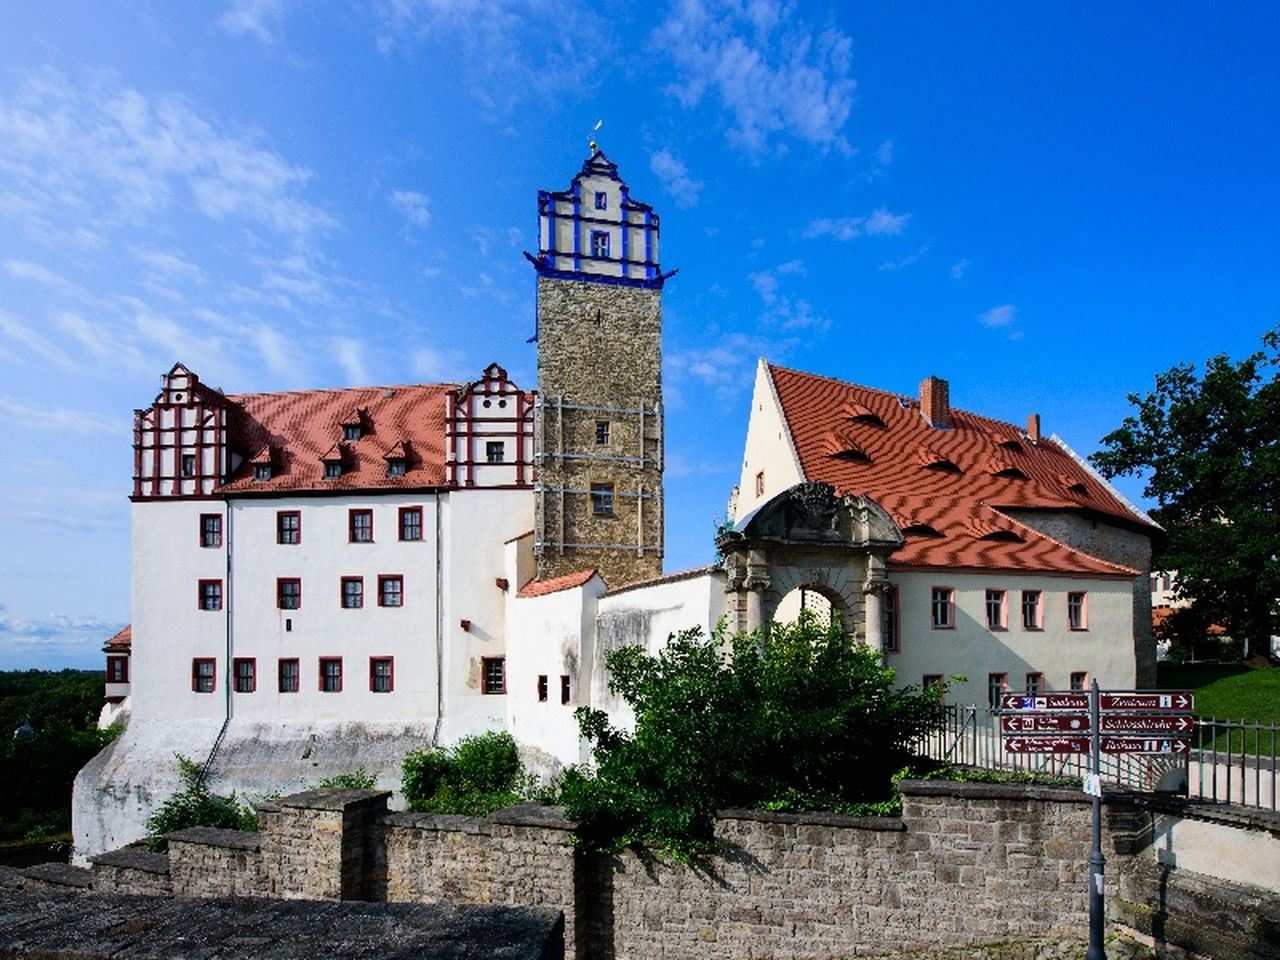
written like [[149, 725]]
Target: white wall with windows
[[1035, 629]]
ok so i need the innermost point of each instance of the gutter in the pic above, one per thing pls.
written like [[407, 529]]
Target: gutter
[[435, 734], [227, 678]]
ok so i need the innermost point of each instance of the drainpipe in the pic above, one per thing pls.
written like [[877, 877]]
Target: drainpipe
[[226, 666], [435, 735]]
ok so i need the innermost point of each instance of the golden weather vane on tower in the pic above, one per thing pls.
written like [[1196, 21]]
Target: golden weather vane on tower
[[591, 137]]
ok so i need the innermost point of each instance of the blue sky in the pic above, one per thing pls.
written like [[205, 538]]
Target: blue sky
[[1044, 204]]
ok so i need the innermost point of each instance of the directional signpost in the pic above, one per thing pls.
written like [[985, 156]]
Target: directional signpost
[[1094, 723]]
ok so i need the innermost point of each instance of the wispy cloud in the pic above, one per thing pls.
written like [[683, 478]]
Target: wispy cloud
[[884, 155], [784, 309], [13, 329], [413, 206], [959, 269], [350, 355], [55, 641], [675, 178], [880, 223], [903, 262], [726, 368], [1003, 317], [772, 72], [438, 365], [258, 18], [19, 414]]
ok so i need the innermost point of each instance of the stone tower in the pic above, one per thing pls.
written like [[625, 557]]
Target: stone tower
[[599, 409]]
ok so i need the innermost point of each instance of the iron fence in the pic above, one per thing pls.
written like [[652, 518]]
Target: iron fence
[[1229, 761]]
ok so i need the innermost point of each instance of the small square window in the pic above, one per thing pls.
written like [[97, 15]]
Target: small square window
[[396, 466], [602, 433], [330, 674], [360, 526], [289, 593], [493, 676], [602, 499], [996, 615], [1079, 681], [602, 200], [942, 608], [289, 674], [542, 688], [381, 674], [495, 451], [117, 669], [410, 523], [1077, 611], [1035, 683], [332, 469], [262, 471], [210, 530], [599, 244], [188, 465], [203, 674], [352, 593], [1032, 618], [289, 527], [350, 431], [210, 594], [390, 591], [245, 671], [564, 688]]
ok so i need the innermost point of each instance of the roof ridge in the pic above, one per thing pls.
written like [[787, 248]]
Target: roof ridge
[[338, 390]]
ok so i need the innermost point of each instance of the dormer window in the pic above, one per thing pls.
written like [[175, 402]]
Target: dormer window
[[1001, 536], [1011, 444], [941, 465], [262, 471], [599, 244], [396, 466], [332, 469], [350, 432], [1011, 473], [921, 530], [602, 200]]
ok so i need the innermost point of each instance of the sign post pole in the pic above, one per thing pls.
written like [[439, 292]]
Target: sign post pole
[[1097, 862]]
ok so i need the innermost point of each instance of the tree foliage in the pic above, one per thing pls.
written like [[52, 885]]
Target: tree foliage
[[803, 720], [1209, 446], [477, 776], [195, 806]]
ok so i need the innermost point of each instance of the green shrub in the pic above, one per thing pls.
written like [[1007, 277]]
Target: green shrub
[[195, 806], [479, 775], [358, 779]]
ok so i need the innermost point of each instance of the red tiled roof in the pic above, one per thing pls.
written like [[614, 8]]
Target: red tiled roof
[[295, 431], [122, 642], [538, 588], [962, 504]]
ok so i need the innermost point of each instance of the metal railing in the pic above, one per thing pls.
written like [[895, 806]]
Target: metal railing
[[1234, 762]]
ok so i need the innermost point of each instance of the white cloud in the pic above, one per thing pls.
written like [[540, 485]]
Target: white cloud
[[884, 155], [998, 318], [959, 269], [436, 365], [880, 223], [17, 413], [101, 343], [726, 368], [350, 354], [163, 263], [784, 309], [413, 206], [257, 17], [53, 642], [27, 270], [903, 262], [675, 178], [772, 72], [21, 334]]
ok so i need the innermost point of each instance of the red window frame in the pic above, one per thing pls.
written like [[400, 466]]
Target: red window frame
[[215, 595], [251, 675], [384, 581], [357, 595], [289, 536], [296, 676], [947, 607], [362, 514], [197, 677], [210, 529], [407, 528], [282, 583], [493, 675], [373, 674], [117, 669], [325, 661]]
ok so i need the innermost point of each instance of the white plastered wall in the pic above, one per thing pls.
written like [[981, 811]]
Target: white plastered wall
[[768, 448]]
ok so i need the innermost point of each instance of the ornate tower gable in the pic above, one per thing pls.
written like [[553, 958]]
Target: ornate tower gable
[[489, 433], [595, 231], [599, 422], [180, 441]]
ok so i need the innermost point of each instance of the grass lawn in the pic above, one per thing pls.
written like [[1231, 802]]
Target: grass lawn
[[1230, 692]]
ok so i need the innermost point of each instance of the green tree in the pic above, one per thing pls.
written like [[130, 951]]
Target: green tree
[[1208, 446], [803, 720], [480, 774]]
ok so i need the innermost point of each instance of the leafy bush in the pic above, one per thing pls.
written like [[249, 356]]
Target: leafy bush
[[803, 720], [479, 775], [358, 779], [195, 806]]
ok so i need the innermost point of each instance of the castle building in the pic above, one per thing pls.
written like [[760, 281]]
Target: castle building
[[328, 579]]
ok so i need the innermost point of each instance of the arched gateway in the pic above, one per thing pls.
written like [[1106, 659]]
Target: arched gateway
[[807, 537]]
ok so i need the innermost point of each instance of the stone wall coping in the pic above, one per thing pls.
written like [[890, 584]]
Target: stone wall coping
[[1251, 818], [442, 822], [329, 799], [131, 858], [820, 818], [214, 837], [991, 791], [534, 815], [60, 874]]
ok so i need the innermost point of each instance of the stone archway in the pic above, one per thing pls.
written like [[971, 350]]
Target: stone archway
[[808, 537]]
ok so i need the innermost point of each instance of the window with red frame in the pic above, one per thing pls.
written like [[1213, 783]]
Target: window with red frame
[[352, 593], [360, 526], [210, 595], [289, 675], [117, 669], [245, 672], [203, 674], [210, 529], [410, 523], [382, 674], [493, 675], [330, 674], [390, 591], [289, 527], [289, 593]]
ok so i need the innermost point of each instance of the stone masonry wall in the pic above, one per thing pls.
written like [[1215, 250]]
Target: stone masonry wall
[[131, 871], [315, 844], [600, 345], [205, 862]]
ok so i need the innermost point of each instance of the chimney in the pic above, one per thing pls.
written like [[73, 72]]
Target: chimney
[[1033, 428], [935, 403]]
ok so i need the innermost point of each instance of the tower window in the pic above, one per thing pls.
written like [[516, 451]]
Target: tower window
[[602, 499], [189, 459], [495, 451], [390, 591], [602, 433], [599, 244], [602, 200]]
